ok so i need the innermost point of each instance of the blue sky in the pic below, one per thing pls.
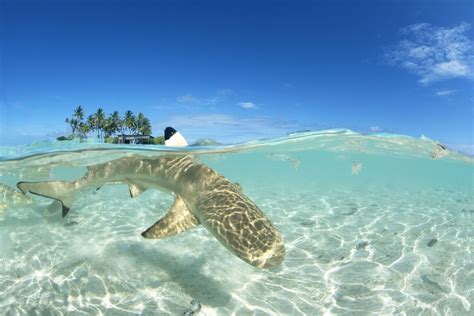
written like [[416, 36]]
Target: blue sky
[[236, 70]]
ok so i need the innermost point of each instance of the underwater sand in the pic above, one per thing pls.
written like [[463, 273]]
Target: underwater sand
[[394, 237]]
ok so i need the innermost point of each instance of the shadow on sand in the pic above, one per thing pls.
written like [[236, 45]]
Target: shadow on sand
[[186, 270]]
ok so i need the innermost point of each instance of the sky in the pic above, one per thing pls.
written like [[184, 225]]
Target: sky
[[240, 70]]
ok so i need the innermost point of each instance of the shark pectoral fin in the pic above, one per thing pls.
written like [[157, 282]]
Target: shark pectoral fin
[[66, 205], [135, 189], [177, 220], [61, 191]]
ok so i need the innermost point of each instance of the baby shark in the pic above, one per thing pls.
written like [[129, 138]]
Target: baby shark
[[202, 197]]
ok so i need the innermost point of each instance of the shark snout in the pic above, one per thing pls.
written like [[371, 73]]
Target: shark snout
[[274, 257]]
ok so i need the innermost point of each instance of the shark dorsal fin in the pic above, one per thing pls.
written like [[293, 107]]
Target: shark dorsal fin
[[177, 220], [135, 189]]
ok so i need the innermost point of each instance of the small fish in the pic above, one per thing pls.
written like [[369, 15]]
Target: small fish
[[356, 167], [432, 242], [362, 245], [439, 152], [72, 223], [195, 308], [55, 286], [433, 284], [284, 157]]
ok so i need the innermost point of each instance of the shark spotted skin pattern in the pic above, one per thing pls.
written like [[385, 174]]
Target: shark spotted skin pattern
[[202, 197]]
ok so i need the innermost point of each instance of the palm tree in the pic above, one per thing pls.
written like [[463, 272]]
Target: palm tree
[[76, 119], [83, 130], [146, 128], [143, 125], [139, 122], [129, 121], [91, 124], [108, 127], [112, 124], [79, 114], [99, 120], [105, 127], [121, 127], [116, 121], [72, 123]]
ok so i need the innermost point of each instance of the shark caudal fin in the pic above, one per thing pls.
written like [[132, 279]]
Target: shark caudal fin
[[177, 220], [61, 191]]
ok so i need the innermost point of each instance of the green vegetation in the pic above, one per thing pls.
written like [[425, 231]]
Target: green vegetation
[[111, 140], [160, 140], [108, 128]]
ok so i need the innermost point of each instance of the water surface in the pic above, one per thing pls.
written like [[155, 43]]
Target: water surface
[[373, 224]]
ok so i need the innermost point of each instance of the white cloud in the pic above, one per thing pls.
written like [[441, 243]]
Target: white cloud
[[248, 105], [30, 132], [445, 92], [375, 129], [434, 53], [226, 128], [467, 149], [220, 96], [202, 120], [187, 98], [225, 92]]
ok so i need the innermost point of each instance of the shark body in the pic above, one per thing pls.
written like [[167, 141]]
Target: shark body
[[202, 197]]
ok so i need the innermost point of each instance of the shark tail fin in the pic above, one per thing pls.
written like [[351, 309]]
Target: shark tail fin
[[61, 191], [177, 220]]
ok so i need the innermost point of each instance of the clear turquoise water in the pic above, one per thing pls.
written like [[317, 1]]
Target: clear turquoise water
[[372, 225]]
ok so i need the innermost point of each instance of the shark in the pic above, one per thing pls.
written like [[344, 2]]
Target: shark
[[202, 197]]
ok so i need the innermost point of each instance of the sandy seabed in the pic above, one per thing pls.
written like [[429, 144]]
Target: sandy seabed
[[382, 253]]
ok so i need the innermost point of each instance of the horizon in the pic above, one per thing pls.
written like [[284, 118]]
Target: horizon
[[238, 72]]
